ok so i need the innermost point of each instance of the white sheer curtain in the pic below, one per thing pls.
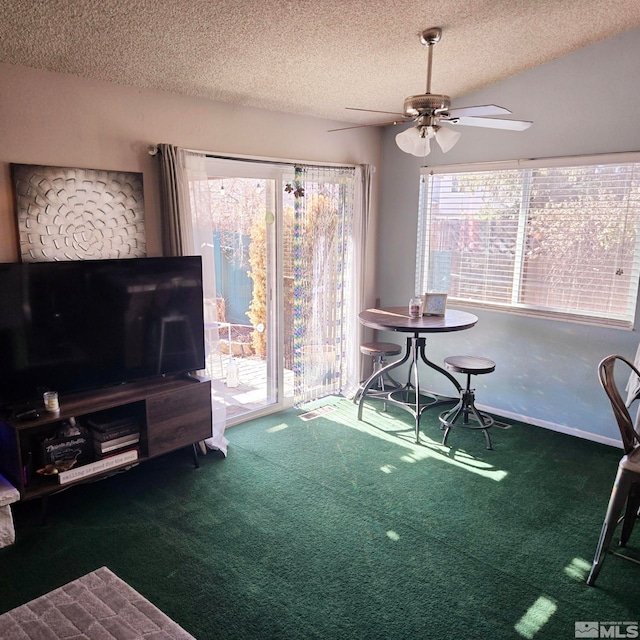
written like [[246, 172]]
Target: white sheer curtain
[[356, 294], [186, 199], [331, 216]]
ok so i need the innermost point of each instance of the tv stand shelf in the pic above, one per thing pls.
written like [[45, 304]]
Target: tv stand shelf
[[173, 413]]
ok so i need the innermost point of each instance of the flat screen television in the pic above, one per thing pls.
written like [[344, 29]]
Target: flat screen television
[[73, 326]]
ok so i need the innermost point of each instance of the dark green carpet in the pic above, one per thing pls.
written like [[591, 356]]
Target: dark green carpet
[[335, 528]]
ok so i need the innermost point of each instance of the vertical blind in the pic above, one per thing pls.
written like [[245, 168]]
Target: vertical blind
[[552, 238]]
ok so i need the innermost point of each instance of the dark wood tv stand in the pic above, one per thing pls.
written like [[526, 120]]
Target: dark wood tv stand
[[173, 413]]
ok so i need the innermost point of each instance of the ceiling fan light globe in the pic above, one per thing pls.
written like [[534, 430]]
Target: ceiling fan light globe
[[447, 138], [422, 147], [408, 139]]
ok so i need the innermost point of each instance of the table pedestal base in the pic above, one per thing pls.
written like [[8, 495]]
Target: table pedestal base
[[409, 397]]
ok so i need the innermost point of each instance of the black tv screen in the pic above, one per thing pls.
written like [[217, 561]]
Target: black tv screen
[[72, 326]]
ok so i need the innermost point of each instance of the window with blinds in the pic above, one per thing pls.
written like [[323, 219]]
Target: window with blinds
[[558, 238]]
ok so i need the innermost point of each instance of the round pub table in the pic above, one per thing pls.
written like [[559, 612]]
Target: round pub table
[[398, 319]]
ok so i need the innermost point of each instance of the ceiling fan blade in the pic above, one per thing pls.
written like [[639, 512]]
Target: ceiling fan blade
[[393, 113], [490, 123], [482, 110], [374, 124]]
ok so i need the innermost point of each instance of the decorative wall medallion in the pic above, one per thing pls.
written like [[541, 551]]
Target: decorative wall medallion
[[78, 214]]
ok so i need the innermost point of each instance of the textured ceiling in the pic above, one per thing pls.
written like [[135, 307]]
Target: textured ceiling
[[312, 57]]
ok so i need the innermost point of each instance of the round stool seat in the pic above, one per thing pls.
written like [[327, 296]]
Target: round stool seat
[[380, 349], [472, 365]]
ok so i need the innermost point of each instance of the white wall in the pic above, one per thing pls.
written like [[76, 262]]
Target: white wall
[[61, 120], [585, 103]]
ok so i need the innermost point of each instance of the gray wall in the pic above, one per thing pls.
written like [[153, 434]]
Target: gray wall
[[585, 103]]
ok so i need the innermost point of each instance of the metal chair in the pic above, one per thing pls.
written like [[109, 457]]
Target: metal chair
[[466, 408], [625, 494]]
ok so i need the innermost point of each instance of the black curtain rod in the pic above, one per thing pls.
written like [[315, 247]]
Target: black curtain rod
[[274, 163], [279, 163], [256, 161]]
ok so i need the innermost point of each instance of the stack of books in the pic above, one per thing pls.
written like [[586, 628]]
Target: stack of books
[[113, 436]]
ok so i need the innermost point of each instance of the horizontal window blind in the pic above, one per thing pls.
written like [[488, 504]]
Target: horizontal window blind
[[555, 241]]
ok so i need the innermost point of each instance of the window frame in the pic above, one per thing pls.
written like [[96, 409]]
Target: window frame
[[515, 306]]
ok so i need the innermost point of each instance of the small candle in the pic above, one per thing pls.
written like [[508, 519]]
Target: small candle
[[51, 401], [415, 307]]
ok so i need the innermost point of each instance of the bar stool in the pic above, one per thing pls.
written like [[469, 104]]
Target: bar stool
[[466, 408], [379, 351]]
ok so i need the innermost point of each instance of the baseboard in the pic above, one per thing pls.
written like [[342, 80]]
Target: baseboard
[[552, 426]]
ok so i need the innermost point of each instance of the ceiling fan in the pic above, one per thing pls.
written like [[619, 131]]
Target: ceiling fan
[[430, 110]]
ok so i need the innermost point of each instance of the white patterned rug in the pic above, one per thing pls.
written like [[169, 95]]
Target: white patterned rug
[[95, 607]]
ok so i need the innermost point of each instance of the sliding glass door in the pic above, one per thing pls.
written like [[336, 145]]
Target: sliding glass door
[[236, 234], [276, 258]]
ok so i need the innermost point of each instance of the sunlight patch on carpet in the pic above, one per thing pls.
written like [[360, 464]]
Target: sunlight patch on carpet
[[427, 449], [537, 615], [578, 569], [278, 427], [468, 463], [387, 468]]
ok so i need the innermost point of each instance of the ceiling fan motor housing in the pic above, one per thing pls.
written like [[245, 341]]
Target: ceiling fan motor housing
[[426, 104]]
